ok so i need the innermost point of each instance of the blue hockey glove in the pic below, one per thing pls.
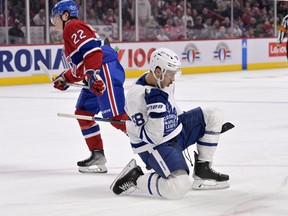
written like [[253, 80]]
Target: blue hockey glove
[[156, 101], [60, 83]]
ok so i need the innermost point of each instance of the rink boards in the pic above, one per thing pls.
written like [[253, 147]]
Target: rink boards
[[18, 64]]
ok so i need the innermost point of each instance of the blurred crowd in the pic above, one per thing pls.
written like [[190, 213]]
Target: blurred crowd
[[164, 20], [204, 19]]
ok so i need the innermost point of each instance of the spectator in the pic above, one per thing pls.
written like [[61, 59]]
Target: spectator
[[110, 17], [188, 17], [170, 29], [237, 10], [189, 25], [173, 7], [152, 36], [155, 8], [214, 28], [110, 4], [169, 25], [92, 18], [250, 33], [179, 14], [2, 20], [162, 18], [144, 11], [194, 14], [238, 29], [180, 5], [151, 23], [226, 22], [128, 11], [268, 29], [199, 23], [221, 33], [205, 14], [162, 36], [227, 11], [179, 30], [128, 33], [211, 5], [36, 5], [246, 16], [16, 35], [11, 20], [100, 11], [40, 18]]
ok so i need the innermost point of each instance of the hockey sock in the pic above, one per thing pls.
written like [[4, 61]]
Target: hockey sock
[[90, 131]]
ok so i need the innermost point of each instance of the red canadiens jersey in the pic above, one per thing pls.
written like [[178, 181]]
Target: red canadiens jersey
[[82, 49]]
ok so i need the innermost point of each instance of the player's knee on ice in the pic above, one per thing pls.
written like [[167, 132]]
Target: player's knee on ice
[[174, 187], [177, 185], [213, 118]]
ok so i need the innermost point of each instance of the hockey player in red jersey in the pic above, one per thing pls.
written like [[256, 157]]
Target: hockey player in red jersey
[[98, 67]]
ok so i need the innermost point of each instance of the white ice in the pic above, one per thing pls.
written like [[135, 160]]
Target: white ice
[[39, 151]]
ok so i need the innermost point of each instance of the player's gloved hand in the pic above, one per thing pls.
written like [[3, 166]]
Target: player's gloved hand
[[95, 83], [156, 101], [60, 83]]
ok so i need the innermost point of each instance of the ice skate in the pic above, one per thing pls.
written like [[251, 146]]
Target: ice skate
[[94, 164], [205, 178], [125, 182]]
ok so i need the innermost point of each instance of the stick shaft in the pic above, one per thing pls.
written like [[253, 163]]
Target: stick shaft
[[225, 127], [45, 69], [89, 118], [47, 72], [78, 85]]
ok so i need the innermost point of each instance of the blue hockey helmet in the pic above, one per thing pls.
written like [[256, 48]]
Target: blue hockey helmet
[[65, 5]]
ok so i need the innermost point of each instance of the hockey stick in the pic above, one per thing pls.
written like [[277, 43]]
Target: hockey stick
[[225, 127], [47, 72], [45, 69], [90, 118]]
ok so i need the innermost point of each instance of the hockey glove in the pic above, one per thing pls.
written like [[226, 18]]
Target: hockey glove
[[95, 83], [60, 83], [156, 101]]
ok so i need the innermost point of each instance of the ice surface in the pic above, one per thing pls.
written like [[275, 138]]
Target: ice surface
[[39, 151]]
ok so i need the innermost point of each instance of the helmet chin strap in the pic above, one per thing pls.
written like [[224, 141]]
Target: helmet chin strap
[[64, 22], [158, 79]]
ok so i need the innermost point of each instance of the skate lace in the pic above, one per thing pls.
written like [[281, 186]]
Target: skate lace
[[188, 157], [213, 171], [127, 185]]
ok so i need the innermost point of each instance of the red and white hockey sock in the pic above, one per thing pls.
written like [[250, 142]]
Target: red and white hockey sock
[[90, 131]]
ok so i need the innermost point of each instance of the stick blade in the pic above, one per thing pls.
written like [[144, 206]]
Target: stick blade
[[227, 126]]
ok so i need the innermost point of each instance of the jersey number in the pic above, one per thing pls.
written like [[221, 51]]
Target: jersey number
[[78, 36], [138, 119]]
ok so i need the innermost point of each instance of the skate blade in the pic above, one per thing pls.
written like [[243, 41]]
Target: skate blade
[[132, 164], [201, 184], [93, 169]]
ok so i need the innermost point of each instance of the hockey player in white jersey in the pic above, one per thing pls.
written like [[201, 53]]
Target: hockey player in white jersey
[[159, 132]]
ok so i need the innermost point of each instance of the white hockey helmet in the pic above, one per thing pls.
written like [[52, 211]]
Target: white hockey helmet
[[166, 60]]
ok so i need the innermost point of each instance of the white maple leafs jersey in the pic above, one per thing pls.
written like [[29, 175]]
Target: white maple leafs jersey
[[145, 132]]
